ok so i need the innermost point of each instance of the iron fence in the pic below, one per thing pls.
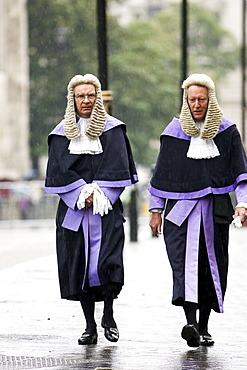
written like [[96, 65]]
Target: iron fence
[[26, 200]]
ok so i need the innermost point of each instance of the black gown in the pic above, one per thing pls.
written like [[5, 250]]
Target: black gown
[[89, 247], [198, 211]]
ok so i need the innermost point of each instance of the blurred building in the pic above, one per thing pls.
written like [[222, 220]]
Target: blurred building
[[14, 87], [229, 13], [128, 10]]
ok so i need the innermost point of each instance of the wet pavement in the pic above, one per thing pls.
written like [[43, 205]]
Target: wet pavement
[[39, 330]]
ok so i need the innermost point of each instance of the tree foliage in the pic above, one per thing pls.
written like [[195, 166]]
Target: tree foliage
[[62, 39], [144, 65], [145, 69]]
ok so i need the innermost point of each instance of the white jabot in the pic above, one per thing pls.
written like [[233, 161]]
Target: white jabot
[[200, 148], [83, 144]]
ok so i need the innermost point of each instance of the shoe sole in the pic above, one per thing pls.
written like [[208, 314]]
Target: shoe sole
[[191, 335]]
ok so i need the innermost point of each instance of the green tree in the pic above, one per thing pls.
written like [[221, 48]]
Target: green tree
[[144, 65], [62, 39], [212, 49], [146, 73]]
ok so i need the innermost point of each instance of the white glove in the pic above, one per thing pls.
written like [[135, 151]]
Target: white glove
[[101, 203], [237, 222], [86, 191]]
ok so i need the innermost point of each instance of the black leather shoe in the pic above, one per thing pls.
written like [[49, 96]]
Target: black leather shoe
[[191, 335], [206, 340], [111, 334], [88, 338]]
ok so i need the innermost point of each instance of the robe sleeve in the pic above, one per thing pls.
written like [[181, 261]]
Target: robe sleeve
[[156, 203], [112, 193], [241, 192], [70, 198]]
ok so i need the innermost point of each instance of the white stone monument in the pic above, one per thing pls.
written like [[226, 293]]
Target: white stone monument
[[14, 90]]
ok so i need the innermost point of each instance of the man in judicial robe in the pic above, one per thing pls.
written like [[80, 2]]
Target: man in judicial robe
[[201, 160], [90, 163]]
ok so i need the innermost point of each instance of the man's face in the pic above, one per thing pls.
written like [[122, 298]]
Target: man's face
[[198, 102], [85, 96]]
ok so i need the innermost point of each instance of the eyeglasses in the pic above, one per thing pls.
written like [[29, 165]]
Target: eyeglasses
[[82, 97]]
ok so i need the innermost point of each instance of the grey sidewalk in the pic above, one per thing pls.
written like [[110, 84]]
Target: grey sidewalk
[[39, 330]]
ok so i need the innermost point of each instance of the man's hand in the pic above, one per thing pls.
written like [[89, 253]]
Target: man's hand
[[242, 213], [155, 223], [89, 201]]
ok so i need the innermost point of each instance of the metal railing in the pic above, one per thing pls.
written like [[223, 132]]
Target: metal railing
[[26, 200]]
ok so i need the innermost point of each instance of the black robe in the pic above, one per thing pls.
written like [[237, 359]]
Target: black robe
[[89, 247], [198, 211]]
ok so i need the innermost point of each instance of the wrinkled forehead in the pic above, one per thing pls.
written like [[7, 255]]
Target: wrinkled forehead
[[197, 90], [84, 88]]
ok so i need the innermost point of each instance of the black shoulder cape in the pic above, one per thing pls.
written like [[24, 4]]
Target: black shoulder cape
[[115, 166], [178, 177]]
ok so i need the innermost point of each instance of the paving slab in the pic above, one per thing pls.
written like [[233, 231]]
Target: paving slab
[[39, 330]]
